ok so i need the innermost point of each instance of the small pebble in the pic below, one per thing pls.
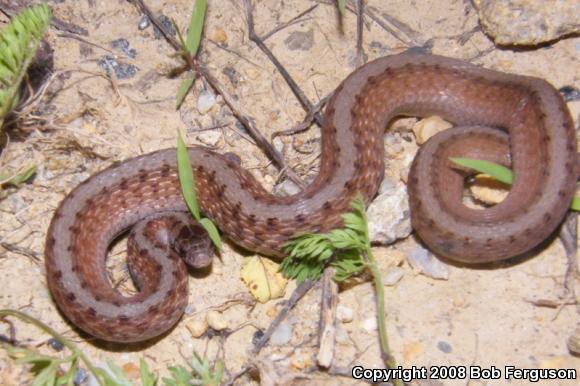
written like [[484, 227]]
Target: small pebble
[[209, 137], [370, 324], [570, 93], [282, 334], [252, 73], [344, 314], [389, 215], [216, 320], [220, 36], [428, 127], [144, 23], [205, 101], [287, 188], [424, 261], [232, 74], [123, 45], [488, 190], [122, 70], [197, 326], [393, 276], [573, 342], [257, 337], [80, 376], [301, 361], [444, 347], [55, 344]]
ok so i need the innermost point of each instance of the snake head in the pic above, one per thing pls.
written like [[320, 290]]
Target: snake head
[[194, 246]]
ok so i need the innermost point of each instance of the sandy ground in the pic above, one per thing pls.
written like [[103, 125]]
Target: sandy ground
[[477, 316]]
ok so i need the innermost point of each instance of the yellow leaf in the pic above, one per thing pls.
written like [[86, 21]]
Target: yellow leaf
[[261, 276]]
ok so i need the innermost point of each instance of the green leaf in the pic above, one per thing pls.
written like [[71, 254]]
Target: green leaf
[[575, 205], [341, 6], [19, 41], [195, 27], [69, 376], [179, 377], [184, 88], [186, 178], [46, 376], [119, 376], [188, 190], [348, 264], [147, 377], [212, 231], [499, 172], [19, 177]]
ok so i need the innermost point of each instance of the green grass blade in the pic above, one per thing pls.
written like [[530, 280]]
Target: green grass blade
[[186, 178], [499, 172], [19, 177], [341, 6], [575, 205], [184, 88], [147, 377], [195, 27], [212, 231]]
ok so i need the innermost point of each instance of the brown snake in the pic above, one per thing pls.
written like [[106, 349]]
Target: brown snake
[[519, 121]]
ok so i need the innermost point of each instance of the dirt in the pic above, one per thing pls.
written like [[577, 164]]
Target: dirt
[[485, 316]]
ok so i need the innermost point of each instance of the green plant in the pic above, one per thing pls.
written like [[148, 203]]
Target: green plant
[[187, 181], [349, 251], [499, 172], [190, 47], [341, 6], [48, 370], [18, 44]]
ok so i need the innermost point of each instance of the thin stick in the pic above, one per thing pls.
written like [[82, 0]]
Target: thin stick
[[290, 22], [298, 293], [200, 68], [359, 33], [302, 98], [327, 323]]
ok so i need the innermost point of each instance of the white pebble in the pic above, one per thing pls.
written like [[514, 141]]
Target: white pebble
[[282, 334], [393, 276], [205, 101], [428, 264], [216, 320], [344, 314], [370, 324], [197, 326]]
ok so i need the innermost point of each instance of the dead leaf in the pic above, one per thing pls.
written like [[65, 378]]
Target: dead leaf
[[261, 276]]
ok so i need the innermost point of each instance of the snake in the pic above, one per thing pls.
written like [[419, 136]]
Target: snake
[[518, 121]]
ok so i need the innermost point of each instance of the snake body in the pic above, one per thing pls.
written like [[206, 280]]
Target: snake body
[[518, 121]]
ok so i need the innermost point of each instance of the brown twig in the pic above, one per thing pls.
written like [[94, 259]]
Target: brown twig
[[302, 98], [569, 240], [308, 120], [33, 255], [412, 38], [327, 322], [290, 22], [359, 33], [200, 69], [298, 293]]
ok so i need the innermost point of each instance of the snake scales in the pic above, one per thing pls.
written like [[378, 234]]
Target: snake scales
[[518, 121]]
